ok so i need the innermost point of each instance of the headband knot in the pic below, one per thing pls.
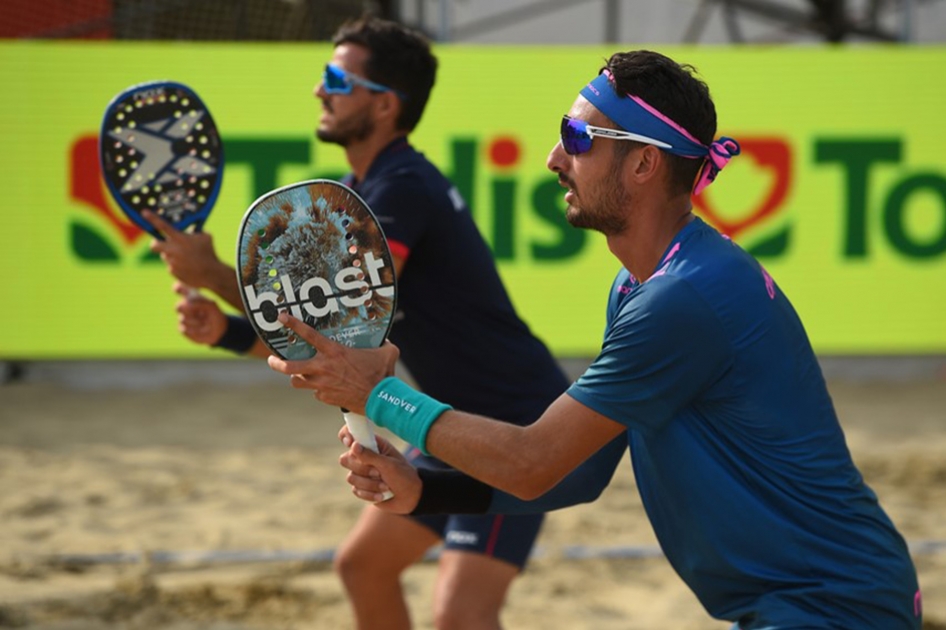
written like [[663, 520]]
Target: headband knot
[[720, 152], [634, 114]]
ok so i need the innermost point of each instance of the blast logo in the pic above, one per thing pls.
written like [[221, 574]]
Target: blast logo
[[316, 296]]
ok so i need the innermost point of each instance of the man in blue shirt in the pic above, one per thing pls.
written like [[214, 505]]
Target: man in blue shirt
[[705, 372], [461, 338]]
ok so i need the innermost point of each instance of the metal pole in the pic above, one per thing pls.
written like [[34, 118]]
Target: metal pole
[[444, 20], [611, 21], [906, 33]]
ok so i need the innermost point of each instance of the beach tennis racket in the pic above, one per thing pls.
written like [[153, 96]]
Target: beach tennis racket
[[316, 250], [160, 151]]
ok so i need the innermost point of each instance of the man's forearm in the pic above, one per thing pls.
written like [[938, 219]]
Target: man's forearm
[[485, 449], [223, 281], [523, 461]]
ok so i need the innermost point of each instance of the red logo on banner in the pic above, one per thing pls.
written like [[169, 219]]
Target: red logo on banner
[[88, 186], [771, 154]]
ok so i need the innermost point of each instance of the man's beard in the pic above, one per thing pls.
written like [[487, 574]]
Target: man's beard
[[609, 215], [345, 133]]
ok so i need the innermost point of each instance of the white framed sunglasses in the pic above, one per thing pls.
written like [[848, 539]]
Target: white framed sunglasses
[[577, 136]]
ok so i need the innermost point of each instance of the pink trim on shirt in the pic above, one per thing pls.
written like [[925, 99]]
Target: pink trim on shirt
[[671, 253], [769, 283]]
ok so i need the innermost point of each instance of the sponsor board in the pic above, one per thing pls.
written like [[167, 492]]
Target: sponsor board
[[840, 190]]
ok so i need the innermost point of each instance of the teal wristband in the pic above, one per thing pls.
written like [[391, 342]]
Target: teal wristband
[[404, 411]]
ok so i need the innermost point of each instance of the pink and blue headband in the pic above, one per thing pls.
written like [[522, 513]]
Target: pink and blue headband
[[634, 114]]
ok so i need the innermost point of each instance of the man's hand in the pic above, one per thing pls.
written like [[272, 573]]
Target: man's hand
[[337, 375], [198, 318], [190, 256], [371, 474]]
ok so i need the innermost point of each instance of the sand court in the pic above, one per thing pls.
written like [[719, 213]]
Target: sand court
[[216, 503]]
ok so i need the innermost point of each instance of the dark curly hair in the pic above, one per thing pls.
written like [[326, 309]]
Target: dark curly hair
[[675, 91], [399, 58]]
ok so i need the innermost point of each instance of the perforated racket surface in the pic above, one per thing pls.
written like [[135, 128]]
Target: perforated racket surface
[[315, 249], [161, 151]]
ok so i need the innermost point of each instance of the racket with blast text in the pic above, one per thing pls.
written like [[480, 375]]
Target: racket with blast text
[[316, 250], [160, 151]]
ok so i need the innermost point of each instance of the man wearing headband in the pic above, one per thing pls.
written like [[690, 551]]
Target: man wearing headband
[[705, 372]]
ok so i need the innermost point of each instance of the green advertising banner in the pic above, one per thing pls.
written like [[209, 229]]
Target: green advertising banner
[[840, 191]]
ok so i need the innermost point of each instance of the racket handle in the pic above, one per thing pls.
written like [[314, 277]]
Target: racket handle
[[361, 430], [192, 293]]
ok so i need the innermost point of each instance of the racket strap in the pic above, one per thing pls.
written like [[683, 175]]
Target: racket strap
[[404, 411], [239, 336]]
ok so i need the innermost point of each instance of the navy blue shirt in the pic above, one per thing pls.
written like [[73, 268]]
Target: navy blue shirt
[[459, 335]]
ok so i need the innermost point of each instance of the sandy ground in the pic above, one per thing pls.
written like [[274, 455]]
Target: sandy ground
[[183, 506]]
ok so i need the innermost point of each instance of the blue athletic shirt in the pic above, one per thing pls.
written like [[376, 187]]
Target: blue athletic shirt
[[737, 452], [458, 332]]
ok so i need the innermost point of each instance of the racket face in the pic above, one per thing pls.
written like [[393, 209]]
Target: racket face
[[160, 151], [315, 249]]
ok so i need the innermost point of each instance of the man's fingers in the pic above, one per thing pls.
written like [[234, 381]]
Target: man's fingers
[[278, 364], [368, 485], [364, 479], [297, 371], [318, 341], [344, 434], [373, 497], [368, 457], [357, 466], [160, 224]]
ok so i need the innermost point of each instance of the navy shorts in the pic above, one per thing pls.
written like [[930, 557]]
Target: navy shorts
[[508, 537]]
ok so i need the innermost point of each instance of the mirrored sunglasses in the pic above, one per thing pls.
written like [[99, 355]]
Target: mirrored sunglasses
[[337, 81], [577, 136]]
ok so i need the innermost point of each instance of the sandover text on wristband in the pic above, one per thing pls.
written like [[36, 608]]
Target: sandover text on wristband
[[239, 336], [404, 411]]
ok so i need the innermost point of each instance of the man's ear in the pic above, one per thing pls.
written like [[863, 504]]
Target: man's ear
[[389, 107], [650, 160]]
